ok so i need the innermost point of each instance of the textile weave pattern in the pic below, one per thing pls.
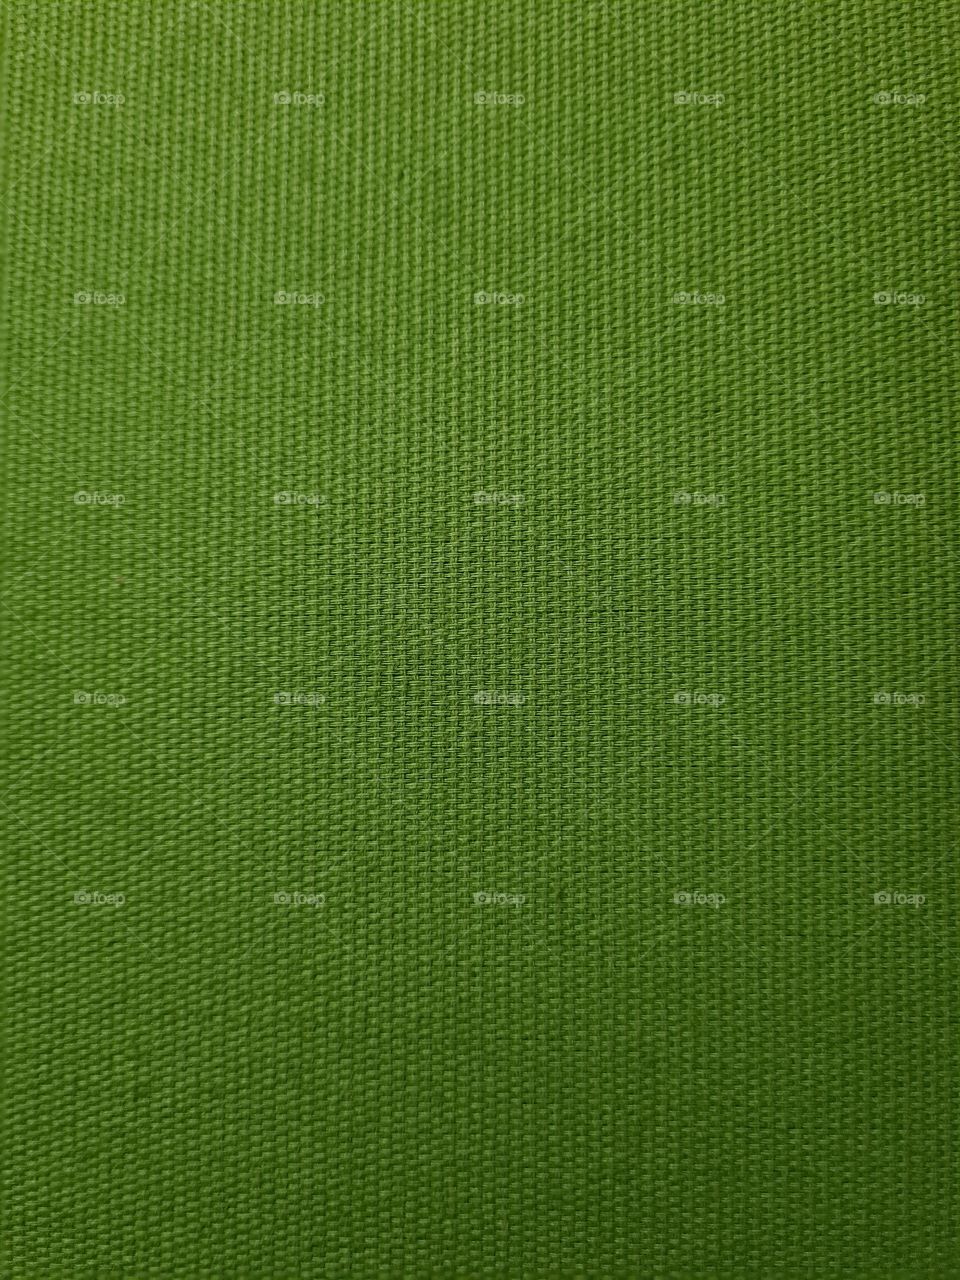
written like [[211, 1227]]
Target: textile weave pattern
[[480, 687]]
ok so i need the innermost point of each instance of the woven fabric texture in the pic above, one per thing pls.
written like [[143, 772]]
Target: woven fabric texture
[[480, 696]]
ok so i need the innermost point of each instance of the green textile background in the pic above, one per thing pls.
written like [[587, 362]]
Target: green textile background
[[643, 529]]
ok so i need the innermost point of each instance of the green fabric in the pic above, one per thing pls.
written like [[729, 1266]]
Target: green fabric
[[534, 642]]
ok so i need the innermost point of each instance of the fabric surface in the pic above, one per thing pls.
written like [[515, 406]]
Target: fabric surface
[[480, 695]]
